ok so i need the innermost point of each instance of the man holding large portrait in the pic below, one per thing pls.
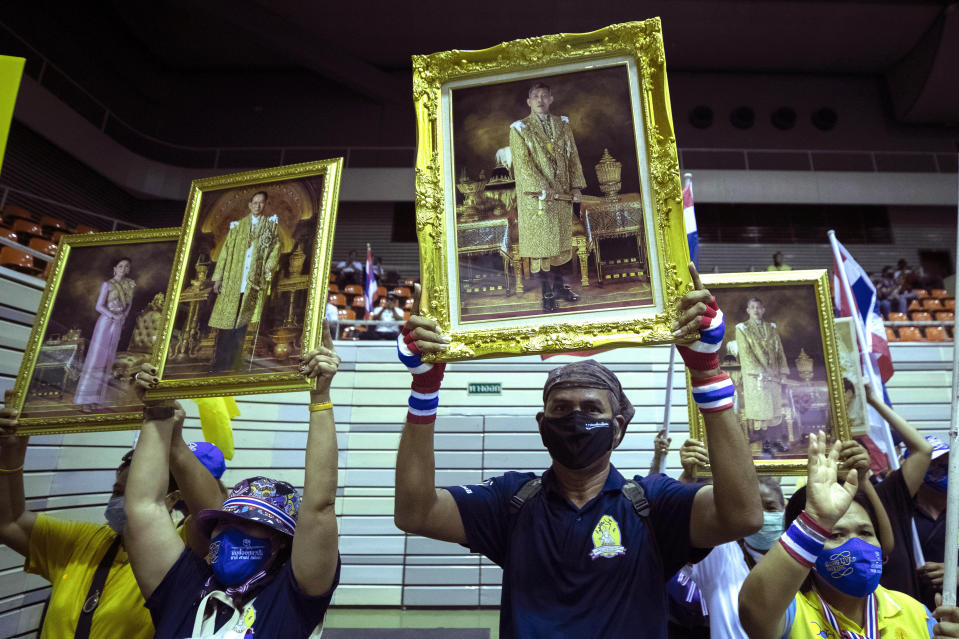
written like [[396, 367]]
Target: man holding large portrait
[[245, 266], [546, 161]]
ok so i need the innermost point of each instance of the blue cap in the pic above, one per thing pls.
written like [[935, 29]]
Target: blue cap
[[210, 456], [939, 447]]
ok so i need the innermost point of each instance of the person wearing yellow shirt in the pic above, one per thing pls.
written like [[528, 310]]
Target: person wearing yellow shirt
[[68, 553], [822, 578], [777, 264]]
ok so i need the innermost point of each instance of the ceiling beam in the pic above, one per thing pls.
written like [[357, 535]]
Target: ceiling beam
[[304, 48]]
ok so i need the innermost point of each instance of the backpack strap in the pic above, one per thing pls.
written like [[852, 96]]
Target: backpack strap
[[525, 492], [637, 496]]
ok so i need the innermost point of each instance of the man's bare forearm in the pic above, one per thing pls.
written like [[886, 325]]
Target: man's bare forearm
[[415, 477]]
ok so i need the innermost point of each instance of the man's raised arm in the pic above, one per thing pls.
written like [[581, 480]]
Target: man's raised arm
[[419, 507], [730, 509]]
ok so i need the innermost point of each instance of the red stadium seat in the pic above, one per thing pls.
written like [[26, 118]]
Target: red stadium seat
[[898, 317], [910, 334], [936, 334], [891, 335]]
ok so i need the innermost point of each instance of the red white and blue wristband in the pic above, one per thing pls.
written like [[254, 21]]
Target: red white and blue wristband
[[425, 389], [804, 540], [702, 355], [714, 393]]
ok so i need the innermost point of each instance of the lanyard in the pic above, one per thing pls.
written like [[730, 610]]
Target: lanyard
[[872, 620]]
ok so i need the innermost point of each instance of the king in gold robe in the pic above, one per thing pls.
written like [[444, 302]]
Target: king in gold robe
[[764, 367], [245, 266]]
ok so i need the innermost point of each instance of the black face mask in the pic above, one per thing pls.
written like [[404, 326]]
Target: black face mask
[[576, 440]]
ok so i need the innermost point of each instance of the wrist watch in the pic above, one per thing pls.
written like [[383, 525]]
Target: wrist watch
[[157, 413]]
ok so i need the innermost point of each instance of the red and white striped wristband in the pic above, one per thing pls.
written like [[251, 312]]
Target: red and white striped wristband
[[804, 539], [714, 393]]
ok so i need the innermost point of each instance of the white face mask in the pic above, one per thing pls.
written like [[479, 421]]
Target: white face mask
[[115, 514]]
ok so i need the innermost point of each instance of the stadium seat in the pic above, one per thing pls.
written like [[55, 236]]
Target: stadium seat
[[945, 316], [921, 316], [381, 292], [337, 299], [401, 291], [891, 335], [408, 305], [406, 315], [50, 224], [56, 235], [347, 314], [83, 229], [10, 234], [914, 306], [17, 260], [921, 293], [359, 302], [333, 288], [939, 293], [332, 277], [13, 212], [27, 226], [42, 245], [936, 334], [932, 304], [409, 284], [910, 334], [352, 332], [949, 304], [353, 289], [898, 317]]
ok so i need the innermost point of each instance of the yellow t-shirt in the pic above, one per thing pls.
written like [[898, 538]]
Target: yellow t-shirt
[[781, 267], [900, 617], [67, 554]]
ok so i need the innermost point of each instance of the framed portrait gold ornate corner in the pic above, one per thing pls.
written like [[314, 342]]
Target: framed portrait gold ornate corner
[[248, 290], [99, 320], [548, 200], [780, 351]]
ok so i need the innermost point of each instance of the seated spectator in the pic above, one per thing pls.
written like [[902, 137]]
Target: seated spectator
[[350, 271], [56, 548], [888, 293], [273, 565], [332, 317], [927, 280], [824, 573], [777, 264], [387, 314]]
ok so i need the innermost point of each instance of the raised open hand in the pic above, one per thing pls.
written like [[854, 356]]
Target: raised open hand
[[827, 500]]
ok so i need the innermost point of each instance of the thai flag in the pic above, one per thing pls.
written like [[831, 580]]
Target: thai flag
[[370, 283], [866, 311], [689, 219]]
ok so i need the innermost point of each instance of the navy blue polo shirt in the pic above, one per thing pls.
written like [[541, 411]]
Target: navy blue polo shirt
[[283, 611], [596, 571]]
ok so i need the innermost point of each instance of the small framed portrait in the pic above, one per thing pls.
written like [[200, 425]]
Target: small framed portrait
[[548, 200], [248, 291], [780, 351], [853, 382], [100, 318]]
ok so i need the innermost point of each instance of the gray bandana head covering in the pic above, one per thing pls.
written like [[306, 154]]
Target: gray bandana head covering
[[589, 373]]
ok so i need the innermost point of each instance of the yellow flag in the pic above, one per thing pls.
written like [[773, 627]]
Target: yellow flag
[[11, 69], [215, 416]]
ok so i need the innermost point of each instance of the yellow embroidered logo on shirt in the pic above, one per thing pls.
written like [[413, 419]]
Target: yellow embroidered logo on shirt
[[607, 541]]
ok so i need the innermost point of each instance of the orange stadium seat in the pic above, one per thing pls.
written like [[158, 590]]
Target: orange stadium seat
[[914, 305], [13, 212], [347, 314], [333, 288], [17, 260], [921, 293], [936, 334], [56, 235], [939, 293], [910, 334], [949, 304], [921, 316], [42, 245], [359, 302], [932, 304], [337, 299], [409, 283], [891, 335], [51, 223], [945, 316], [408, 305], [381, 292], [401, 291], [83, 229], [406, 315], [898, 317], [10, 234], [27, 226], [353, 289]]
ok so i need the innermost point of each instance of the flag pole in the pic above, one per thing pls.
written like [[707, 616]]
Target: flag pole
[[951, 556], [873, 380]]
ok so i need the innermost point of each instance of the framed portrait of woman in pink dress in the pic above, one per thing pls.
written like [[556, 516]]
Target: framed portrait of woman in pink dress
[[98, 321]]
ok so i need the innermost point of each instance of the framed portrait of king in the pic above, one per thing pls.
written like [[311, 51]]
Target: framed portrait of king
[[100, 318], [248, 290], [548, 202], [781, 353]]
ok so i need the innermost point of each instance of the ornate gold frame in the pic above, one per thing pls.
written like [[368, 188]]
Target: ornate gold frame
[[79, 423], [818, 279], [638, 43], [278, 382]]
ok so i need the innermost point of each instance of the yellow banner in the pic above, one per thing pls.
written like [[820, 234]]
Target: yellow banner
[[11, 69]]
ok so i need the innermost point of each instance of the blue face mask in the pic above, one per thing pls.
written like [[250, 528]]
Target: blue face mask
[[937, 478], [771, 531], [853, 568], [115, 514], [235, 557]]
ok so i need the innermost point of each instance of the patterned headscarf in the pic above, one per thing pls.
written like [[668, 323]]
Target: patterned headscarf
[[589, 373]]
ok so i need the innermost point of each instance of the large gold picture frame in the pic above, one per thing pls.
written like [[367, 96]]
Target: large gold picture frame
[[96, 324], [270, 308], [780, 351], [459, 224]]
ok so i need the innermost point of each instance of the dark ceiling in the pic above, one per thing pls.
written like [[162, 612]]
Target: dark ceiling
[[233, 65]]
